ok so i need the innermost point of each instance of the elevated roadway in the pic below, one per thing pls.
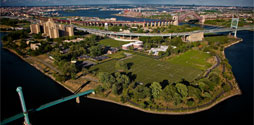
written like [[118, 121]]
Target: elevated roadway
[[104, 32]]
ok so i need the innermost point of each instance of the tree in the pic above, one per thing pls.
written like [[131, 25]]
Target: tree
[[99, 89], [214, 78], [156, 89], [176, 41], [226, 87], [124, 80], [168, 52], [182, 89], [125, 95], [161, 53], [194, 92], [202, 86], [107, 79], [95, 51], [23, 45], [115, 89], [168, 92], [177, 98], [207, 95]]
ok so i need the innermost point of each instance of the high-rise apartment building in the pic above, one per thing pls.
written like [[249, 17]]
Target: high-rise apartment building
[[69, 31], [51, 29], [35, 28]]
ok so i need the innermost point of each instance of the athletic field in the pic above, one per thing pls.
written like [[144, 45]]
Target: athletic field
[[148, 70]]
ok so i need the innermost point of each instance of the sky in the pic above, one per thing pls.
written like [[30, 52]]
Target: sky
[[85, 2]]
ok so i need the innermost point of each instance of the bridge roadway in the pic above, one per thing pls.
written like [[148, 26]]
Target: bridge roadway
[[104, 32]]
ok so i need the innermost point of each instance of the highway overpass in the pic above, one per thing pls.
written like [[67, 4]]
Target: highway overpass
[[109, 33]]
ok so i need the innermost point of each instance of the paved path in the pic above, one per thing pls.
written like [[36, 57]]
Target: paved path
[[218, 61], [45, 63]]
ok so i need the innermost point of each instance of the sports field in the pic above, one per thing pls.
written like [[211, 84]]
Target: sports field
[[148, 70], [193, 58], [112, 42]]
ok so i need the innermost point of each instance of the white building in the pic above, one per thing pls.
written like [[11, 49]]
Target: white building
[[135, 45], [35, 46], [155, 51], [74, 40]]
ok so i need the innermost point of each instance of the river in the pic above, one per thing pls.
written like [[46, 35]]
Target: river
[[39, 89], [101, 14]]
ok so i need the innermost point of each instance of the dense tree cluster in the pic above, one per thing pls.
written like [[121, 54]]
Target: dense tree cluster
[[149, 94], [20, 34], [116, 81], [11, 22]]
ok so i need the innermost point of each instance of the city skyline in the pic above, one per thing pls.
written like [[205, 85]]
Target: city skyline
[[248, 3]]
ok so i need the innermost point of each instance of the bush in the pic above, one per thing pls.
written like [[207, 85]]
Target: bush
[[123, 99], [60, 78], [99, 89], [226, 87]]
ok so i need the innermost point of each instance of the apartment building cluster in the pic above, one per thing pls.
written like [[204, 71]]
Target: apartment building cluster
[[51, 29]]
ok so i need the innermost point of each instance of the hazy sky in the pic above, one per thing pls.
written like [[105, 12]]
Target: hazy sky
[[84, 2]]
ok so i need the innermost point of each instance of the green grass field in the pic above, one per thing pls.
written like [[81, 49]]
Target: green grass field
[[148, 70], [112, 42], [117, 55], [193, 58]]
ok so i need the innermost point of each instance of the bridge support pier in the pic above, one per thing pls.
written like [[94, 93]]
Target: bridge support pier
[[235, 33], [78, 100]]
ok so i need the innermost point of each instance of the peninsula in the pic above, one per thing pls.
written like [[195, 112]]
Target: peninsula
[[181, 74]]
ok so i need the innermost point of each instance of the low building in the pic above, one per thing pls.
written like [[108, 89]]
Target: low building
[[74, 40], [112, 50], [35, 46], [195, 37], [83, 57], [135, 45], [155, 51], [99, 58]]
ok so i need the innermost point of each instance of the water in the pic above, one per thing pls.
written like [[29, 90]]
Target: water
[[101, 14], [39, 89]]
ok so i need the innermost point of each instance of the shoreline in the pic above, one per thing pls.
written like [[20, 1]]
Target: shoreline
[[165, 112], [47, 74], [136, 107]]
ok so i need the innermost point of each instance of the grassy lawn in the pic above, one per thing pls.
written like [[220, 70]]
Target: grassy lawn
[[213, 39], [112, 42], [117, 55], [192, 58], [148, 70]]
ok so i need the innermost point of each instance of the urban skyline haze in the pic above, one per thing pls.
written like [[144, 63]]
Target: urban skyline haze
[[248, 3]]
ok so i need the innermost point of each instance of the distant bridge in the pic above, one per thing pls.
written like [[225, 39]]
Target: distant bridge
[[182, 17]]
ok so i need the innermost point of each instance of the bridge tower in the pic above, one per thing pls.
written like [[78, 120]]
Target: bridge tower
[[176, 22], [234, 25], [202, 20]]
